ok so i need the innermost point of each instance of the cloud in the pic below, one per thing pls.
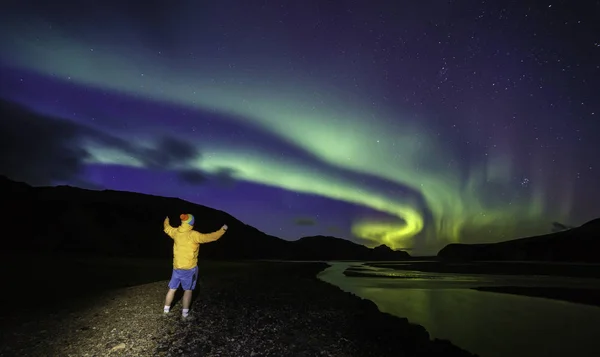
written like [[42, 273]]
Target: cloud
[[167, 153], [43, 150], [193, 177], [305, 221], [37, 149], [334, 230], [224, 176]]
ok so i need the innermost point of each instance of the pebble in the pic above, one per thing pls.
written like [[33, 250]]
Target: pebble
[[120, 346]]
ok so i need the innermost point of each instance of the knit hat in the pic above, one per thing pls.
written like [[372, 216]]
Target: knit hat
[[187, 218]]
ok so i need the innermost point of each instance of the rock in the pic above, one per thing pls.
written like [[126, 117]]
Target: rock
[[120, 346]]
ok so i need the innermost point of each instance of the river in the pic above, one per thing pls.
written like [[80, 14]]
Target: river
[[486, 323]]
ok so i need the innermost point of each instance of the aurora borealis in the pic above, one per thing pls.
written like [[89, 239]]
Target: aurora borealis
[[380, 122]]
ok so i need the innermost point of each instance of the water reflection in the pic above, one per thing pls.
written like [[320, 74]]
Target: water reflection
[[489, 324]]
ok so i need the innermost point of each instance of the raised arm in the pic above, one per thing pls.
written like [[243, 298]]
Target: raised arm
[[168, 229], [209, 237]]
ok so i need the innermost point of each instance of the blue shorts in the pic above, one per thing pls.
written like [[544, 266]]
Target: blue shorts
[[185, 277]]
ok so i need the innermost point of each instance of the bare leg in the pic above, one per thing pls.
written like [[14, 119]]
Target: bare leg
[[187, 299], [170, 297]]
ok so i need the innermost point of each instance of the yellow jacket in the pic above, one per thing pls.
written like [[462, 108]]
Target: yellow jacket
[[187, 243]]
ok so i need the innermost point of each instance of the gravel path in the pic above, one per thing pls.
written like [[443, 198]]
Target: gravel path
[[261, 309]]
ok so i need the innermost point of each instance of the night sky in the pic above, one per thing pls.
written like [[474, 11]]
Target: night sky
[[410, 123]]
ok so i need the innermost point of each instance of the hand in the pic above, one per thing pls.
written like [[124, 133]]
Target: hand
[[167, 219], [224, 227]]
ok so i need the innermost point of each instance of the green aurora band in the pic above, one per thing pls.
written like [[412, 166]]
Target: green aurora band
[[321, 119]]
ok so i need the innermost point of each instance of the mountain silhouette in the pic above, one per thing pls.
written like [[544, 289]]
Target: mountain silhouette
[[579, 244], [117, 223], [332, 248]]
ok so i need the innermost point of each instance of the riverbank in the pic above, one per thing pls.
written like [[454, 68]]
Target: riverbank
[[241, 309], [579, 296], [575, 270], [588, 296], [487, 323]]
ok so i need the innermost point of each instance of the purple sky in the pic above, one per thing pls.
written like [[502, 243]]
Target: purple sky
[[409, 125]]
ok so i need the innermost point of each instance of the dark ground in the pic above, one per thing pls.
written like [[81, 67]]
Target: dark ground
[[242, 309]]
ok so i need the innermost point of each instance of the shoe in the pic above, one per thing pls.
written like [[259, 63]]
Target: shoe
[[187, 318]]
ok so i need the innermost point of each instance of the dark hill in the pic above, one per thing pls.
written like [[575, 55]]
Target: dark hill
[[115, 223], [332, 248], [580, 244]]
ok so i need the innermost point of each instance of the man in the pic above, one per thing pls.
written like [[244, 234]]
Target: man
[[185, 259]]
